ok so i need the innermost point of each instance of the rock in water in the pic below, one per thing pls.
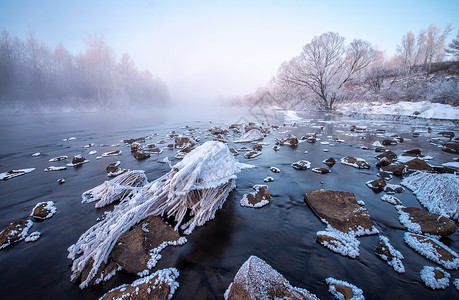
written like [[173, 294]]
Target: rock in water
[[433, 249], [339, 209], [435, 277], [393, 257], [258, 198], [158, 286], [428, 222], [343, 290], [15, 232], [196, 187], [135, 251], [44, 210], [417, 164], [439, 193], [301, 165], [358, 163], [330, 162], [258, 280], [376, 185]]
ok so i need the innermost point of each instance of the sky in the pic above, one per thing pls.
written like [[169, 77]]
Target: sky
[[205, 50]]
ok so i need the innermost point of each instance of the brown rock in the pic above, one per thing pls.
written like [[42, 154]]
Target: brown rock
[[136, 147], [154, 150], [390, 155], [292, 141], [431, 223], [321, 170], [257, 147], [443, 170], [258, 280], [14, 232], [397, 170], [158, 286], [78, 159], [132, 249], [301, 165], [141, 155], [43, 210], [448, 134], [355, 162], [417, 164], [389, 142], [377, 185], [233, 151], [130, 141], [340, 209], [261, 193], [330, 162], [413, 153], [385, 175], [380, 149], [252, 154], [182, 141], [383, 162], [450, 147], [344, 290]]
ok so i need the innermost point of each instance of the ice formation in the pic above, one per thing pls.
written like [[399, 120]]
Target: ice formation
[[117, 189], [32, 237], [250, 136], [395, 259], [439, 193], [15, 173], [357, 293], [429, 277], [345, 244], [433, 250], [198, 185]]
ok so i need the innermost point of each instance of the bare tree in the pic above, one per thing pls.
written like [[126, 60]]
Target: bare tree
[[326, 65]]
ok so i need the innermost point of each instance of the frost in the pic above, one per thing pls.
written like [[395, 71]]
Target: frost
[[250, 136], [197, 186], [53, 168], [390, 199], [261, 281], [428, 276], [430, 249], [345, 244], [15, 173], [395, 261], [32, 237], [404, 219], [164, 276], [357, 293], [117, 189], [439, 193]]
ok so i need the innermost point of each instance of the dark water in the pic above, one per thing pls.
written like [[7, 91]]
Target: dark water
[[282, 233]]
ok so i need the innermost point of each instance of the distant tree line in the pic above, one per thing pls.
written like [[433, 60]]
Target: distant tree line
[[34, 75], [328, 71]]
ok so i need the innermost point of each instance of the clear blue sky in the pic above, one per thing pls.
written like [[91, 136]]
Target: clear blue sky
[[203, 49]]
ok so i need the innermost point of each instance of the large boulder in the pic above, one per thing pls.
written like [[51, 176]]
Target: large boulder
[[158, 286], [339, 209], [429, 222], [133, 249], [258, 280]]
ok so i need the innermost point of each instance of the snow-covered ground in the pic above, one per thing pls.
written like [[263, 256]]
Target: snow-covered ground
[[423, 109]]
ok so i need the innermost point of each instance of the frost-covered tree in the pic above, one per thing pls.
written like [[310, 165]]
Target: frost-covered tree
[[453, 48], [435, 45], [326, 65]]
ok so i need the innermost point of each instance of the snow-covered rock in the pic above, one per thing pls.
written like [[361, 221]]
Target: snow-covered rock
[[53, 168], [256, 199], [355, 162], [420, 221], [251, 136], [14, 232], [439, 193], [32, 237], [393, 257], [301, 165], [390, 199], [44, 210], [258, 280], [435, 277], [345, 244], [15, 173], [58, 158], [343, 290]]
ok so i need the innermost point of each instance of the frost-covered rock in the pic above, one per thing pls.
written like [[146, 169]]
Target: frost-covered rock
[[77, 161], [117, 189], [274, 170], [44, 210], [256, 199], [358, 163], [417, 164], [389, 155], [435, 277], [58, 158], [112, 153], [15, 173], [340, 210], [343, 290], [321, 170], [268, 179], [456, 283], [160, 285], [251, 136], [252, 154], [345, 244], [390, 199], [196, 187], [420, 221], [32, 237], [376, 185], [53, 168], [138, 250], [330, 162], [258, 280], [393, 188], [14, 232], [301, 165], [291, 141], [433, 249], [140, 155], [393, 257], [439, 193]]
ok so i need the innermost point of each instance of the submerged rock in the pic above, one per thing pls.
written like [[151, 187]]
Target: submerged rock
[[427, 222], [15, 232], [433, 249], [355, 162], [44, 210], [137, 250], [158, 286], [340, 210], [258, 280]]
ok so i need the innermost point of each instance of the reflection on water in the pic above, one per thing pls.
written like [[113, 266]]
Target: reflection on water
[[282, 233]]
